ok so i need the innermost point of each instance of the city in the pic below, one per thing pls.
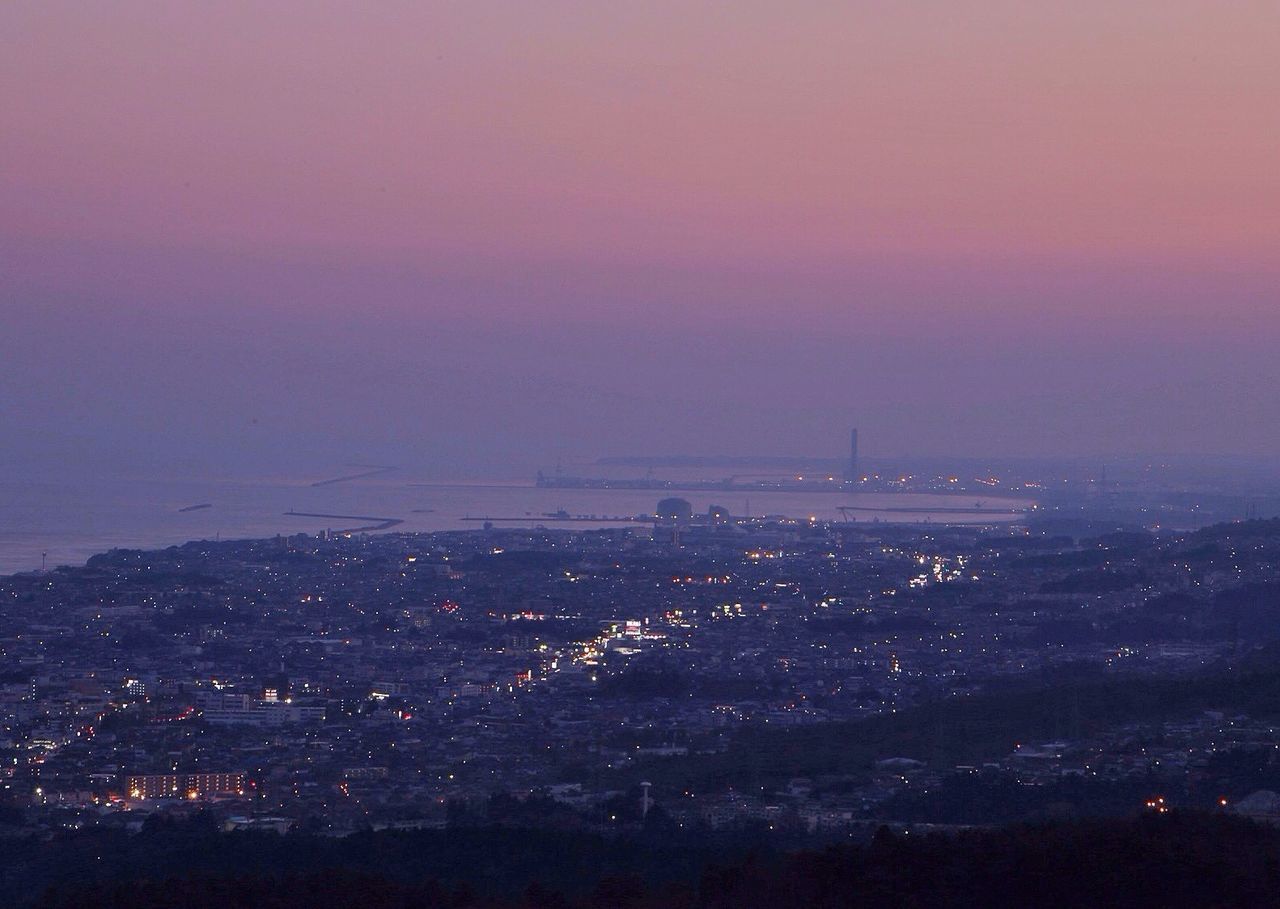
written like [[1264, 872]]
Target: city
[[341, 682], [665, 455]]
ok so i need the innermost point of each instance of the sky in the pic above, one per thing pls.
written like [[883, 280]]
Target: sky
[[473, 239]]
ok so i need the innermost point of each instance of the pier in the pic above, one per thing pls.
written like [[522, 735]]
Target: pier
[[373, 523]]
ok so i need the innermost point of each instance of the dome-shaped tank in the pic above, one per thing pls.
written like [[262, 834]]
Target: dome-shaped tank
[[674, 509]]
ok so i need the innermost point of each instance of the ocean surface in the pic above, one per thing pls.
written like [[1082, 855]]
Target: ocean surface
[[67, 522]]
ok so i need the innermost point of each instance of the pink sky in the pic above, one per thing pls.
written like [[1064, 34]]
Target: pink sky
[[1001, 172], [680, 131]]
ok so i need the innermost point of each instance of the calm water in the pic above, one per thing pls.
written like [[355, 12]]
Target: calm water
[[72, 521]]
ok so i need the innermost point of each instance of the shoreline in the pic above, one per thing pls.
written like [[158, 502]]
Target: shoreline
[[68, 523]]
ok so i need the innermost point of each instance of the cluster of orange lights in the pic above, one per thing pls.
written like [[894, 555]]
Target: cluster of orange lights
[[1158, 805]]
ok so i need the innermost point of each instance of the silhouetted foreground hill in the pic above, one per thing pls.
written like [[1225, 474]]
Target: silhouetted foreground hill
[[1157, 861]]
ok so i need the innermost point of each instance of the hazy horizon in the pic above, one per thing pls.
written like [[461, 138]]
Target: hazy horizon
[[471, 241]]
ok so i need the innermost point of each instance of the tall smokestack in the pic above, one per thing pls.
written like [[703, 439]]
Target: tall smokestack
[[851, 472]]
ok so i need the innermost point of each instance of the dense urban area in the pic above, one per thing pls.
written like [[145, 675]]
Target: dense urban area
[[713, 673]]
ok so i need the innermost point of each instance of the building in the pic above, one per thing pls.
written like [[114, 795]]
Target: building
[[232, 709], [184, 785], [671, 516]]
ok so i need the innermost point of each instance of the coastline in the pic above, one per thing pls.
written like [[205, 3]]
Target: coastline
[[75, 520]]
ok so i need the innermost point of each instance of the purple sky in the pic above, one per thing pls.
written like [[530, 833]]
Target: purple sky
[[474, 238]]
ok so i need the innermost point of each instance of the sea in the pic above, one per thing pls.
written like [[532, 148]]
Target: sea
[[49, 523]]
